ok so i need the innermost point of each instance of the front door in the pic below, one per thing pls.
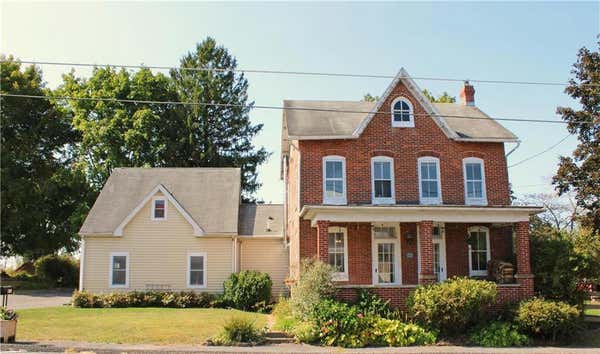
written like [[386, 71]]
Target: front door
[[386, 249], [439, 252]]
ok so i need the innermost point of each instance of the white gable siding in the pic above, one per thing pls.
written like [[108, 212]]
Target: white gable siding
[[158, 252]]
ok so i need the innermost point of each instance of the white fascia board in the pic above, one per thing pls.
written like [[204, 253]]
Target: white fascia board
[[159, 188], [418, 213]]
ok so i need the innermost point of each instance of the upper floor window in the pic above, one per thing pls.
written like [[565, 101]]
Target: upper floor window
[[474, 174], [382, 180], [402, 113], [334, 180], [159, 208], [479, 250], [338, 251], [430, 190]]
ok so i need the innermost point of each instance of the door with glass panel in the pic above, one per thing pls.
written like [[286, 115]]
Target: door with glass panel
[[439, 252], [386, 251]]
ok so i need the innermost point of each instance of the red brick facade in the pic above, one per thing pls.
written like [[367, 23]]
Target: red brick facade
[[405, 146]]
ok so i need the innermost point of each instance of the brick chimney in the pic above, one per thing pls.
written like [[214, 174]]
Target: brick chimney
[[467, 94]]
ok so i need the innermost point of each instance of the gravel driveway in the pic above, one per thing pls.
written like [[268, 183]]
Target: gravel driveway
[[24, 299]]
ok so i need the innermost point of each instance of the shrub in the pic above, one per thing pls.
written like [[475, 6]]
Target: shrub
[[548, 319], [314, 285], [143, 299], [499, 334], [451, 306], [57, 270], [394, 333], [370, 304], [239, 330], [306, 332], [340, 324], [285, 320], [7, 314], [247, 288]]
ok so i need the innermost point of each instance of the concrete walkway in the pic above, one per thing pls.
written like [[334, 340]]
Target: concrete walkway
[[71, 347], [26, 299]]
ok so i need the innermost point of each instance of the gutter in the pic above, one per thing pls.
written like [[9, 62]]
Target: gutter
[[515, 148], [81, 264]]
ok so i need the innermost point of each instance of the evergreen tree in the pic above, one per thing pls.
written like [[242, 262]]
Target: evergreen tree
[[581, 172], [217, 135]]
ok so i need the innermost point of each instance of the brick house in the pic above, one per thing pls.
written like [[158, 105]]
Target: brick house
[[401, 192]]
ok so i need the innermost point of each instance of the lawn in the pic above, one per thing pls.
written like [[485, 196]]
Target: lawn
[[126, 325]]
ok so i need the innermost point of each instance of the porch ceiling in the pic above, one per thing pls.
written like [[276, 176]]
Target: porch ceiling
[[416, 213]]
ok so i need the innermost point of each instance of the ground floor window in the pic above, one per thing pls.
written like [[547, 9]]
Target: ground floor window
[[119, 269], [197, 270], [338, 251], [479, 250]]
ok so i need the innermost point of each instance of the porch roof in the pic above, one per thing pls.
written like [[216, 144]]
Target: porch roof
[[416, 213]]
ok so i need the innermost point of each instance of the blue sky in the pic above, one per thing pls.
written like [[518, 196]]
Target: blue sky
[[498, 41]]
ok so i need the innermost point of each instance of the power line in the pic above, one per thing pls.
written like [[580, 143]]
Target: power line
[[541, 152], [231, 105], [306, 73]]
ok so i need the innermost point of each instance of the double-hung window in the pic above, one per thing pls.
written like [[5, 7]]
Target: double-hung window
[[159, 208], [119, 270], [334, 180], [382, 180], [474, 175], [196, 270], [479, 250], [430, 190], [338, 251]]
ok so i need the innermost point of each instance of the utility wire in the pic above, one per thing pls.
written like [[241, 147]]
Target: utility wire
[[306, 73], [106, 99], [541, 152]]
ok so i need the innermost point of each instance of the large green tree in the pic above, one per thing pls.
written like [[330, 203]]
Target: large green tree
[[217, 131], [443, 98], [122, 134], [43, 197], [580, 173]]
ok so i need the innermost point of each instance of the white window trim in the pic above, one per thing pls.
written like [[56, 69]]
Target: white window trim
[[392, 199], [154, 199], [483, 199], [189, 269], [330, 200], [411, 122], [110, 271], [398, 255], [340, 276], [479, 273], [430, 201]]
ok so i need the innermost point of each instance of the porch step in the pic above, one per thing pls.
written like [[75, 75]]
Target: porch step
[[593, 306], [595, 319], [276, 337]]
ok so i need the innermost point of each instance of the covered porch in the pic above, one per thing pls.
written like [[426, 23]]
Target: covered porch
[[392, 249]]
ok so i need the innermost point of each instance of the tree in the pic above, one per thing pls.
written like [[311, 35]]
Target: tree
[[43, 197], [217, 135], [580, 173], [443, 98], [122, 134], [559, 212]]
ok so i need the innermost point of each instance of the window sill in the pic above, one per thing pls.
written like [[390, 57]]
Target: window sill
[[383, 201], [478, 273], [479, 202], [430, 201], [403, 125], [196, 286], [335, 202], [340, 277], [119, 286]]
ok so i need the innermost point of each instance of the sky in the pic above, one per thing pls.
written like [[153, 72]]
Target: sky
[[475, 40]]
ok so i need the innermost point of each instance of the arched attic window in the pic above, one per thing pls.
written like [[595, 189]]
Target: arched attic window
[[402, 113]]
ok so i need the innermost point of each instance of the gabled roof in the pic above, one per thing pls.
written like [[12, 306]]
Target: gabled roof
[[261, 220], [320, 120], [209, 196]]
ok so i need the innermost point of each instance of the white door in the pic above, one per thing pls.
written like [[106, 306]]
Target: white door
[[439, 252], [386, 251]]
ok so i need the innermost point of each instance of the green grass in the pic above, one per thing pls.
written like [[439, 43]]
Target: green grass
[[126, 325], [592, 312]]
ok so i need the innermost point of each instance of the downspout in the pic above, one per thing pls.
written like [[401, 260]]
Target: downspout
[[285, 204], [81, 263], [515, 148]]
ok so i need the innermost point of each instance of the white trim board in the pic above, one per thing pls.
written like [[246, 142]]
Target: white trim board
[[198, 231]]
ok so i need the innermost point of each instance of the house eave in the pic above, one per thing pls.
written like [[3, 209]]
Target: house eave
[[416, 213]]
